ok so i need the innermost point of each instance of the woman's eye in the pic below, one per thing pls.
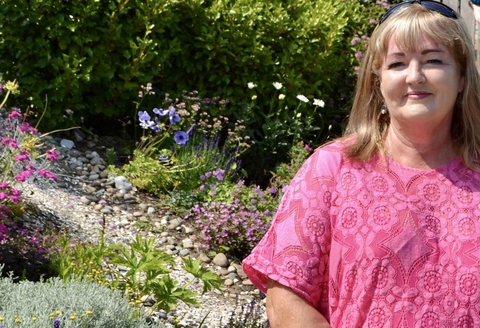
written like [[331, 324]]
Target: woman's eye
[[394, 65], [434, 61]]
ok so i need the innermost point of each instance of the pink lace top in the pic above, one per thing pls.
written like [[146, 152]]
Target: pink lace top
[[377, 244]]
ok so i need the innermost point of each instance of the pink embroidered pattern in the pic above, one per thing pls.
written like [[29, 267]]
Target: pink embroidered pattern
[[376, 244]]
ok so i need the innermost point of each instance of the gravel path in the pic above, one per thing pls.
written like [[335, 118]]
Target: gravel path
[[85, 197]]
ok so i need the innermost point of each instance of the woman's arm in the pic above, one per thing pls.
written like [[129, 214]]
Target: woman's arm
[[286, 309]]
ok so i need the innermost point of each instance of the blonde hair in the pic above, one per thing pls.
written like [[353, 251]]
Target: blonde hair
[[369, 126]]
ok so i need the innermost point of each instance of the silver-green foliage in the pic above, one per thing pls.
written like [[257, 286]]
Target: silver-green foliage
[[75, 304]]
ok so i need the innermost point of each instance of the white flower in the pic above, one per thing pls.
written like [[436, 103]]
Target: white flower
[[277, 85], [281, 96], [302, 98], [318, 102], [251, 85], [254, 97]]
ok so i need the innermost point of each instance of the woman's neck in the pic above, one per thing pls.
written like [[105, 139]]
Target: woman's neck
[[422, 151]]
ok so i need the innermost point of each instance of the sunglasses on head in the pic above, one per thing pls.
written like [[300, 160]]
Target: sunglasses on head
[[428, 4]]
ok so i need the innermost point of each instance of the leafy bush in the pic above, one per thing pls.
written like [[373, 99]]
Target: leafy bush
[[284, 172], [147, 270], [72, 304], [89, 56]]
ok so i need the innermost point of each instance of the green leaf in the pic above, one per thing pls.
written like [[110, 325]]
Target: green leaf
[[210, 279]]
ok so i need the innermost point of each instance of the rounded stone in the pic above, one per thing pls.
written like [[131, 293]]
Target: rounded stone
[[221, 260]]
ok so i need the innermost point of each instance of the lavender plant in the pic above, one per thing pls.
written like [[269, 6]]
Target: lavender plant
[[55, 303], [251, 315]]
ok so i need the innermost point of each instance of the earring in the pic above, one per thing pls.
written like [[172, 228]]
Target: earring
[[383, 111]]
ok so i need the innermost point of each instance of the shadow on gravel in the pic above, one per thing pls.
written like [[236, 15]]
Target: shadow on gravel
[[31, 265]]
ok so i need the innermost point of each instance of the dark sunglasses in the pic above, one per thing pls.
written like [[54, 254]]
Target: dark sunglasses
[[430, 5]]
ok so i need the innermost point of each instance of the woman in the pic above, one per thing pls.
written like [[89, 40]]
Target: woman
[[382, 227]]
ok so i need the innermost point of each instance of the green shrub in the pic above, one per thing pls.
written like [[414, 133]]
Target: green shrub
[[87, 56], [76, 303], [90, 56], [147, 270]]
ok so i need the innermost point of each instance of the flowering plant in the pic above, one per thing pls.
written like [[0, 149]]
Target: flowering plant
[[19, 158], [233, 217], [181, 141], [21, 161], [159, 124]]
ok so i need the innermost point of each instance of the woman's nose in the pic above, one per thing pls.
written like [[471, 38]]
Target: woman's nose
[[415, 74]]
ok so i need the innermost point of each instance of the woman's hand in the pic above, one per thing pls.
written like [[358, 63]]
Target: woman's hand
[[286, 309]]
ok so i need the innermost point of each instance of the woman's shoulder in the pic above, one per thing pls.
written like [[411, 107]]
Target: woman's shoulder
[[329, 157]]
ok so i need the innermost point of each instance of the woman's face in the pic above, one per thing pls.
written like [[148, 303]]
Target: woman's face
[[420, 86]]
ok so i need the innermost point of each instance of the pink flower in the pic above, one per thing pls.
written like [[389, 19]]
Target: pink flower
[[14, 113], [50, 175], [21, 158], [23, 176], [4, 185], [15, 192], [3, 195], [308, 148], [11, 142], [14, 199], [25, 127], [52, 155]]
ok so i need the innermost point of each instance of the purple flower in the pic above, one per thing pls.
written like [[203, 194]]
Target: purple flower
[[145, 121], [180, 137], [272, 190], [3, 195], [56, 323], [359, 55], [3, 228], [355, 41], [161, 112], [163, 158], [143, 116], [174, 117]]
